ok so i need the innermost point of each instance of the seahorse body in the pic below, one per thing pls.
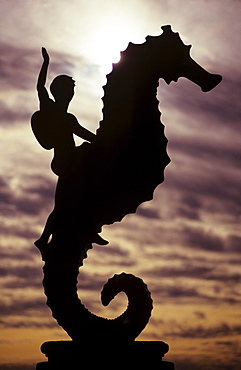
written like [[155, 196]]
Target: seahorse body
[[110, 178]]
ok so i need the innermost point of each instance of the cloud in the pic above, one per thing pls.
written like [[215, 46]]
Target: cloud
[[12, 254], [91, 282], [147, 212], [31, 196], [188, 236], [20, 66], [201, 239], [10, 116], [5, 192], [200, 315], [188, 364], [16, 324], [18, 230], [11, 366], [20, 307], [220, 106], [204, 145], [18, 77], [21, 276], [198, 269], [214, 188], [111, 255], [233, 243], [184, 271], [199, 331]]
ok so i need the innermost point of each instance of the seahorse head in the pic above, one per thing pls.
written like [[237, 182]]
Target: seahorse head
[[169, 54], [171, 59]]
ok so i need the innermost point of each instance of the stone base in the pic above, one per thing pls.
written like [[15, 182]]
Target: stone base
[[68, 355]]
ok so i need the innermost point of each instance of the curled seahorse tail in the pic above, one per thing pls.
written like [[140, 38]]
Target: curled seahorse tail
[[135, 318], [60, 285]]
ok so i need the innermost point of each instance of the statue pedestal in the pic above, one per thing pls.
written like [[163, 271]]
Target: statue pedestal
[[73, 356]]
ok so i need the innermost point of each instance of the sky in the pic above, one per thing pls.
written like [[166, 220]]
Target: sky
[[185, 243]]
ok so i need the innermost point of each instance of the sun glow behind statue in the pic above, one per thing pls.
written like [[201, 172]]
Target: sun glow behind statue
[[104, 48]]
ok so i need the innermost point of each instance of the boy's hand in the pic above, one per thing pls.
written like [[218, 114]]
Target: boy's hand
[[45, 55]]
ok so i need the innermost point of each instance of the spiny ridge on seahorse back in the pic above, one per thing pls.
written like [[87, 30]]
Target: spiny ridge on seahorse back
[[130, 137]]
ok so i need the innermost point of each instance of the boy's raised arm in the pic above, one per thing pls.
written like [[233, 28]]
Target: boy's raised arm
[[42, 91]]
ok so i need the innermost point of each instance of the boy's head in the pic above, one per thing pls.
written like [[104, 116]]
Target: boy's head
[[62, 88]]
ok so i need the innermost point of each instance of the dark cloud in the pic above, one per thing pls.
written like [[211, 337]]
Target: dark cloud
[[216, 191], [200, 315], [206, 154], [19, 68], [221, 104], [233, 243], [195, 270], [28, 206], [225, 104], [22, 231], [91, 282], [41, 186], [198, 238], [28, 273], [114, 251], [180, 291], [22, 308], [51, 324], [16, 367], [35, 194], [5, 193], [11, 254], [10, 115], [189, 281], [199, 331], [186, 236], [185, 211], [112, 254], [147, 212], [190, 364], [226, 343], [204, 362]]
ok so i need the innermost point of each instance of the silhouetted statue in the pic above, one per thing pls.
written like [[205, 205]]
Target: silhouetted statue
[[108, 177]]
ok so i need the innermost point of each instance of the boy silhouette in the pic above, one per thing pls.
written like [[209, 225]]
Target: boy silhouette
[[54, 127]]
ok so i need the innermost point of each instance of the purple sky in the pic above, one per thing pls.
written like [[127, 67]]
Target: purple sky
[[186, 243]]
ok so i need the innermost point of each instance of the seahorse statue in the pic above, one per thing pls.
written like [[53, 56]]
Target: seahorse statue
[[110, 179]]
